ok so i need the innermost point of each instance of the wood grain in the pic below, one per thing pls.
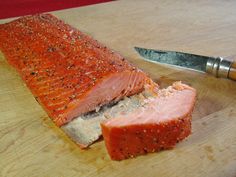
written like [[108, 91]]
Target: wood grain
[[31, 145]]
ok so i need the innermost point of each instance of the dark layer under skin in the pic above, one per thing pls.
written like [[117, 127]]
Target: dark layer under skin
[[68, 72]]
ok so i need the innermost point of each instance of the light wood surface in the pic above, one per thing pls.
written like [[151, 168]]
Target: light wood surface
[[31, 145]]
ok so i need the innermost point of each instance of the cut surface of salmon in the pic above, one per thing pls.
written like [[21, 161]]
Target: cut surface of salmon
[[85, 129], [68, 72], [159, 123]]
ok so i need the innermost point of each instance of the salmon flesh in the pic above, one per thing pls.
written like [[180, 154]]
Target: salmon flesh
[[68, 72], [158, 123], [81, 84]]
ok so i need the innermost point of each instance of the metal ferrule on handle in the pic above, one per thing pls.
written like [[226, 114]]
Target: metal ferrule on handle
[[218, 67]]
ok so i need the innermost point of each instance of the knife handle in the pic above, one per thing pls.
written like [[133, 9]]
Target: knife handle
[[221, 67], [232, 71]]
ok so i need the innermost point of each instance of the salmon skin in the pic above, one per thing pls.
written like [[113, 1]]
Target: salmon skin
[[159, 123], [68, 72]]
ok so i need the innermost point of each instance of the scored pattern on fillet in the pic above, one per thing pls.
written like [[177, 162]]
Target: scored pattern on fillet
[[58, 62]]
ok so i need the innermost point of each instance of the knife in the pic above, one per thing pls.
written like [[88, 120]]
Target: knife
[[217, 66]]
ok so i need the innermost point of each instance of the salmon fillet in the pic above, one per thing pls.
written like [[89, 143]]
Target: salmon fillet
[[159, 123], [68, 72]]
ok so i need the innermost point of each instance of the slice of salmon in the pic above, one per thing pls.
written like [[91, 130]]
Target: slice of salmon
[[159, 123], [68, 72]]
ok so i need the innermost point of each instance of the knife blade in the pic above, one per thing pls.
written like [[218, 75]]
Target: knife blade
[[217, 66]]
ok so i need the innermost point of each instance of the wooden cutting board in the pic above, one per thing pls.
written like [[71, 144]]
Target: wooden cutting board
[[31, 145]]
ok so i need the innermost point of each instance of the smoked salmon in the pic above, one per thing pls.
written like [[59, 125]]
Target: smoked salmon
[[69, 73], [88, 90], [157, 123]]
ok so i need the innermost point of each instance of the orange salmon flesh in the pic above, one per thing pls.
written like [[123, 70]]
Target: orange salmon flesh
[[76, 79], [68, 72], [159, 124]]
